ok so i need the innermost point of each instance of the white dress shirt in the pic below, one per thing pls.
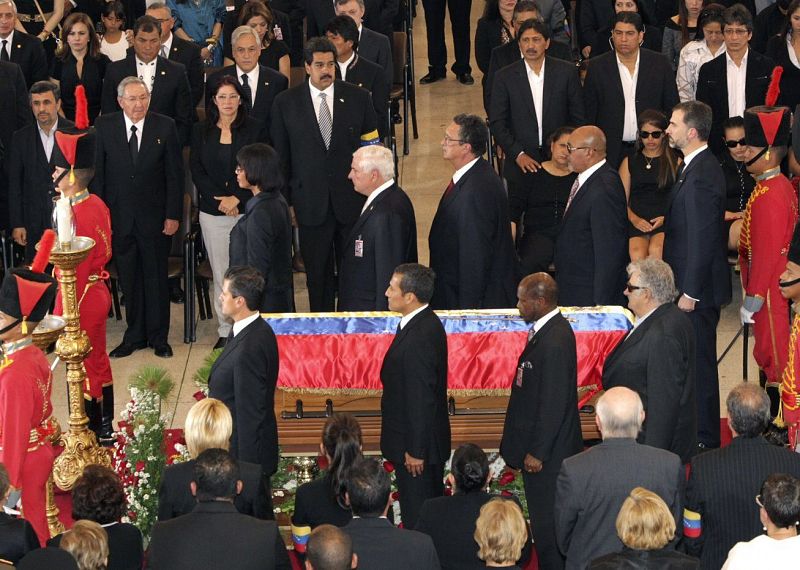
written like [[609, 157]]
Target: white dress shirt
[[693, 56], [411, 315], [378, 190], [315, 99], [536, 82], [139, 127], [463, 170], [737, 76], [252, 81], [240, 325], [630, 126], [147, 72], [166, 45], [792, 53], [343, 66], [584, 176], [538, 324], [48, 139], [9, 41], [689, 157]]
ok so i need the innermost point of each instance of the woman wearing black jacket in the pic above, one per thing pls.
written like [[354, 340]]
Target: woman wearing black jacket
[[215, 143]]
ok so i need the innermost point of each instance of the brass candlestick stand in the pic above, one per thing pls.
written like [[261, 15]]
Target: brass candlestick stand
[[72, 347]]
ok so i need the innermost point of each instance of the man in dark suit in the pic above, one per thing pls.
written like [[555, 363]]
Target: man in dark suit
[[377, 542], [330, 548], [372, 45], [415, 429], [656, 359], [695, 246], [383, 237], [166, 80], [531, 98], [377, 15], [509, 53], [30, 181], [180, 51], [592, 485], [21, 48], [472, 251], [139, 175], [245, 374], [328, 120], [592, 17], [260, 83], [592, 246], [195, 540], [15, 113], [741, 68], [624, 82], [350, 67], [722, 483], [542, 426]]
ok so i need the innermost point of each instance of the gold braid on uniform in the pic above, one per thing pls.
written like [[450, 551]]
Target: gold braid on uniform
[[744, 236], [790, 399]]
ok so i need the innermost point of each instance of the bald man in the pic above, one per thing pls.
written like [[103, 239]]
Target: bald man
[[330, 548], [592, 247], [542, 426], [592, 485]]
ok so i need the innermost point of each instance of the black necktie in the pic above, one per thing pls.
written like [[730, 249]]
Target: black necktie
[[133, 145], [680, 171], [4, 52], [248, 93]]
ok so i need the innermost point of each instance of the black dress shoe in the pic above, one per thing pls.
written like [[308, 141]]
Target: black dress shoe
[[465, 79], [163, 350], [431, 78], [176, 295], [221, 342], [126, 349]]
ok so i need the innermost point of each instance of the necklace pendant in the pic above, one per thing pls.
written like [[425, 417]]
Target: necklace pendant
[[648, 166]]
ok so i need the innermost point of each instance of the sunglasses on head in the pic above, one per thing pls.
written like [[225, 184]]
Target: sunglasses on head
[[655, 134], [734, 144]]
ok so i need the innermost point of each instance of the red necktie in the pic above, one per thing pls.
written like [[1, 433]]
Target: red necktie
[[449, 188]]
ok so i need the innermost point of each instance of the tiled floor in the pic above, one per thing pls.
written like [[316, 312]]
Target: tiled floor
[[423, 175]]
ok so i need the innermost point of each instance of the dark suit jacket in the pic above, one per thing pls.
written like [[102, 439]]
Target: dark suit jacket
[[140, 197], [262, 238], [593, 15], [370, 76], [450, 522], [414, 400], [378, 16], [17, 537], [387, 231], [28, 53], [657, 361], [375, 47], [296, 137], [175, 497], [663, 559], [215, 535], [513, 116], [542, 416], [605, 102], [244, 377], [30, 184], [593, 485], [211, 180], [471, 249], [188, 54], [790, 80], [125, 550], [712, 89], [171, 96], [695, 240], [721, 487], [15, 112], [509, 53], [379, 545], [270, 84], [592, 247]]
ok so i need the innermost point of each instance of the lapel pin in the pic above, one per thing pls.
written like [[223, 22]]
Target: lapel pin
[[341, 100], [158, 141], [163, 73], [19, 46]]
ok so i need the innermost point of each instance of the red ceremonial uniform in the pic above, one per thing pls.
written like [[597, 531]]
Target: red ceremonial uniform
[[92, 219], [25, 428], [767, 228], [790, 383]]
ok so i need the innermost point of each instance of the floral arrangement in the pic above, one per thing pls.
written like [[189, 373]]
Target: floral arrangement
[[139, 454]]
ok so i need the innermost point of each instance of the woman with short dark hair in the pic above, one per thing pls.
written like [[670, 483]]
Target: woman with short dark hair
[[98, 496]]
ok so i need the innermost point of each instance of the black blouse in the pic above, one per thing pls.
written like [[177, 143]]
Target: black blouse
[[272, 54], [316, 504], [778, 50], [543, 201], [738, 184], [66, 72]]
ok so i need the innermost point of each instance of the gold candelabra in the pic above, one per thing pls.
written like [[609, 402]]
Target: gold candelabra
[[72, 347]]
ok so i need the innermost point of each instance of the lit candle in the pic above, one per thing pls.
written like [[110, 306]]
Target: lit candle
[[64, 220]]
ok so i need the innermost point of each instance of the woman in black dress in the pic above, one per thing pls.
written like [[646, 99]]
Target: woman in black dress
[[738, 182], [321, 501], [79, 62], [274, 52], [648, 175], [536, 209], [262, 238], [784, 49], [98, 496], [450, 521], [212, 160]]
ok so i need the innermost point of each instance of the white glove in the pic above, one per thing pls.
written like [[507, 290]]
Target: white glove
[[745, 316]]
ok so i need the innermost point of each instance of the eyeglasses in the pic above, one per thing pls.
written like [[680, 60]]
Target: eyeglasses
[[647, 134], [234, 97], [631, 288], [571, 149], [734, 144], [735, 31], [758, 501], [448, 140]]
